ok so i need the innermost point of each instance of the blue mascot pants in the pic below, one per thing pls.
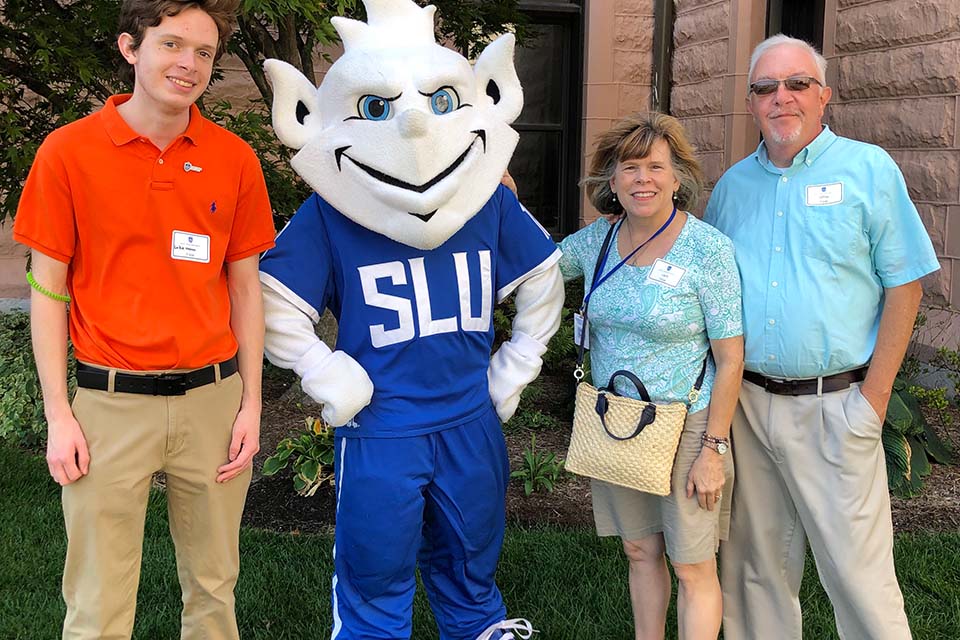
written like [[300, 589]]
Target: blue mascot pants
[[436, 501]]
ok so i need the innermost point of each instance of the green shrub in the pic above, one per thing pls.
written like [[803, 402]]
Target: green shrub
[[21, 402], [948, 360], [909, 442], [287, 191], [527, 416], [533, 420], [538, 469], [311, 453]]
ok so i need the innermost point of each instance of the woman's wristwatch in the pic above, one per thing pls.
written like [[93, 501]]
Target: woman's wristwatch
[[720, 445]]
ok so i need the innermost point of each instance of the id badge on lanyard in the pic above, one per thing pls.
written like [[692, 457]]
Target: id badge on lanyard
[[581, 330]]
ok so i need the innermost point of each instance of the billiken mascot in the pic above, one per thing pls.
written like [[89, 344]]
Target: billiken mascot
[[410, 241]]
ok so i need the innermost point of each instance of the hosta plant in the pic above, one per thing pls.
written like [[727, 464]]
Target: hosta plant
[[310, 453], [909, 442]]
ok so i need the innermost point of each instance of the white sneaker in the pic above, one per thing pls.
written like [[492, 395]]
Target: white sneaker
[[523, 628]]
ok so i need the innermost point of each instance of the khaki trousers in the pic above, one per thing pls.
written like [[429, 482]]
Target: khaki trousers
[[130, 437], [809, 468]]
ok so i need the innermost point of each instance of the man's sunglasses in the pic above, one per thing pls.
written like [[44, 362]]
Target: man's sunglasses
[[793, 83]]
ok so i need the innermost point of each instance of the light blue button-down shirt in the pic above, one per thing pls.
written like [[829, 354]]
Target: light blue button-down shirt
[[816, 244]]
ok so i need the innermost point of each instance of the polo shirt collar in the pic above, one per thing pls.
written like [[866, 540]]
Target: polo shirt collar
[[121, 133], [807, 156]]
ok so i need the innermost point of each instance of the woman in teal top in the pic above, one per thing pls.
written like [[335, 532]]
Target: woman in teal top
[[674, 301]]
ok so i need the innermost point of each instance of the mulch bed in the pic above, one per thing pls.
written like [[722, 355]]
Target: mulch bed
[[273, 504]]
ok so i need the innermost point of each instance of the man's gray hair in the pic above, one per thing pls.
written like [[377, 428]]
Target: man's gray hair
[[780, 39]]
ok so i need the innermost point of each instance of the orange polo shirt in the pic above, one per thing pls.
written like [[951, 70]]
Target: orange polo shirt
[[147, 235]]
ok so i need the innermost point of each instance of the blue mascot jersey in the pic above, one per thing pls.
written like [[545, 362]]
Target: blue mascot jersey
[[419, 322]]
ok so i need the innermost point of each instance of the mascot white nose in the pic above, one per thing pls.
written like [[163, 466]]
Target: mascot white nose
[[413, 123]]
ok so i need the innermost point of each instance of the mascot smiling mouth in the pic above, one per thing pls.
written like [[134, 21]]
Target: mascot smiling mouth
[[396, 182]]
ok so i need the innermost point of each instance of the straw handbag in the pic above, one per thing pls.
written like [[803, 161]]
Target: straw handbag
[[625, 441], [622, 440]]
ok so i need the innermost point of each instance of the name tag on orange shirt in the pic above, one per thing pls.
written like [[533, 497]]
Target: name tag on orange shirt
[[193, 247]]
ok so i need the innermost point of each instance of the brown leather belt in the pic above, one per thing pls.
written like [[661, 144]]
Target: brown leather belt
[[809, 386], [160, 384]]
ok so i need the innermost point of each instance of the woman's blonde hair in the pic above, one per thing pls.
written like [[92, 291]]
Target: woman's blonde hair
[[632, 138]]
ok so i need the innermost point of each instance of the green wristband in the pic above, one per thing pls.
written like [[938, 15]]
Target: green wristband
[[40, 289]]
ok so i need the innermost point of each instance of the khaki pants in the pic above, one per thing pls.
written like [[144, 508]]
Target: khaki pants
[[130, 437], [809, 468]]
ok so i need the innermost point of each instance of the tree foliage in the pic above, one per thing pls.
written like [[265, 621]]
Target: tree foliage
[[59, 62]]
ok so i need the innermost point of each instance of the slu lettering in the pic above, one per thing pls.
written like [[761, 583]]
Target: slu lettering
[[397, 273]]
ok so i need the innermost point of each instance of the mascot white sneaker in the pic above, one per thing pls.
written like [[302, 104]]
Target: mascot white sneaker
[[410, 241]]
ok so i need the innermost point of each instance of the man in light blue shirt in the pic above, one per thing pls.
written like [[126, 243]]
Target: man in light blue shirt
[[830, 250]]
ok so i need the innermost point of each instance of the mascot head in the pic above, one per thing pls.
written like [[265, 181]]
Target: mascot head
[[402, 136]]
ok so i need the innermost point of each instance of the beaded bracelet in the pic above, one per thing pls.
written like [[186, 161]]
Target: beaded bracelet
[[50, 294]]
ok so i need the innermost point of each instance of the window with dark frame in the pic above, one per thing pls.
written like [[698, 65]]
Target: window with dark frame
[[546, 164], [801, 19]]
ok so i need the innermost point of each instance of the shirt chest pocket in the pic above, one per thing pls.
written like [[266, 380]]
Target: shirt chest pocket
[[832, 234]]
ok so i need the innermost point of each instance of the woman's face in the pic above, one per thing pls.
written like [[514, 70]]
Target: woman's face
[[645, 186]]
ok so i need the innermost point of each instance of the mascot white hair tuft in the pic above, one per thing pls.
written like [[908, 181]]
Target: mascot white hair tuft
[[410, 240]]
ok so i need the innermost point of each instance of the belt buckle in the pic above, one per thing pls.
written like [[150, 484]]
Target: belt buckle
[[171, 384], [770, 384]]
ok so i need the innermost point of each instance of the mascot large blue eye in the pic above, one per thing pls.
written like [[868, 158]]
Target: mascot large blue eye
[[444, 101], [374, 108]]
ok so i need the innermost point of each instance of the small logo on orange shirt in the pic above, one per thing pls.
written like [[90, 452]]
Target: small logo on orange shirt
[[213, 207]]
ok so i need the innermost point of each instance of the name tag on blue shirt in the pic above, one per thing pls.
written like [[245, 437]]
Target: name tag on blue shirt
[[666, 273], [819, 195]]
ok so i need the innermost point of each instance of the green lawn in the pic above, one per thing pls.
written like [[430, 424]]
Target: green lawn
[[570, 584]]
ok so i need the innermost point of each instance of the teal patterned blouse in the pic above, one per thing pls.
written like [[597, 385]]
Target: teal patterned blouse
[[657, 331]]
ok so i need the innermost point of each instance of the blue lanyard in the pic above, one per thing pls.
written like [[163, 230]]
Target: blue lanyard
[[596, 283]]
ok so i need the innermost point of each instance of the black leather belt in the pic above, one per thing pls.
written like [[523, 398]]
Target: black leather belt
[[161, 384], [836, 382]]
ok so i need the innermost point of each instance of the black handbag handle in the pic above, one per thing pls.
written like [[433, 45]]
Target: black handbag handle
[[647, 416], [632, 377]]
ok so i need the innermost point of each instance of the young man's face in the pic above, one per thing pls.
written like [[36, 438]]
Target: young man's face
[[175, 60]]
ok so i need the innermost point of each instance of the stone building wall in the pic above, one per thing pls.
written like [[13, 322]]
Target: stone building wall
[[895, 72], [13, 283], [700, 40], [619, 70]]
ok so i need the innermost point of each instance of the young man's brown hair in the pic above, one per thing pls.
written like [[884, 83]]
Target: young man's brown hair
[[136, 16]]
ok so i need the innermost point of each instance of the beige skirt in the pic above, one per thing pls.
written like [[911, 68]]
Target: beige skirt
[[691, 534]]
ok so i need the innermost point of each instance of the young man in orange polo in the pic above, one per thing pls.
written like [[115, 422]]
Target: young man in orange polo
[[149, 220]]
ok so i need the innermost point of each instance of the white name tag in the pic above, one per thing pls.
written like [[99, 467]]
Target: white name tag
[[666, 273], [819, 195], [194, 247], [580, 328]]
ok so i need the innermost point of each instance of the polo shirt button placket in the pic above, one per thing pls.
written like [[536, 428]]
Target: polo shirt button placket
[[162, 179]]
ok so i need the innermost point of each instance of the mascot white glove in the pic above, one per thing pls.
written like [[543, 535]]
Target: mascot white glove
[[336, 381], [332, 378], [517, 362]]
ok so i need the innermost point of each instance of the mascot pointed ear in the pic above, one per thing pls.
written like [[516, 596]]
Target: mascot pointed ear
[[296, 104], [497, 82]]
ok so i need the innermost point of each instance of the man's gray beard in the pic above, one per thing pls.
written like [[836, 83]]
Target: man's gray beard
[[791, 136]]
